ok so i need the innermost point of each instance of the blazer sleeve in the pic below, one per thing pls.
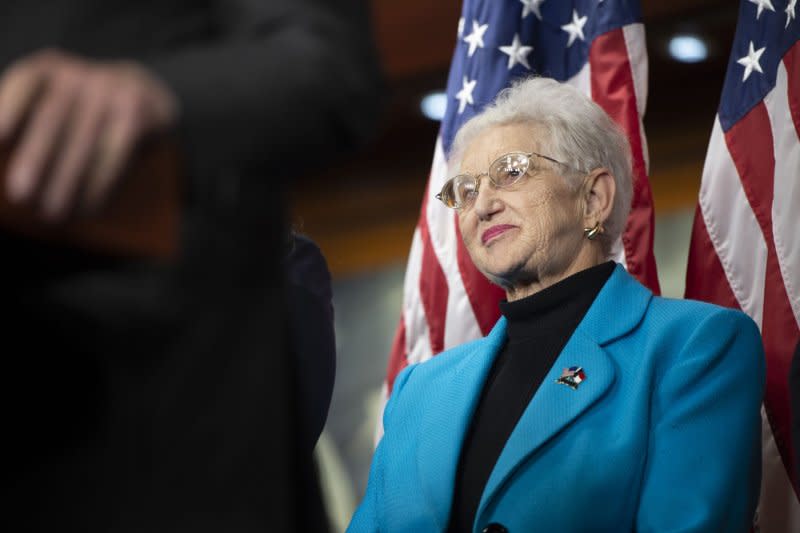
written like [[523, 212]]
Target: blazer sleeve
[[366, 517], [703, 466], [273, 81]]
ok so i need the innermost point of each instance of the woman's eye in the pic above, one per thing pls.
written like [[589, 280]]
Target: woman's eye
[[508, 175]]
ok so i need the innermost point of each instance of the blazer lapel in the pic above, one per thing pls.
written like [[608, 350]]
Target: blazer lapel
[[617, 309], [553, 407], [447, 419]]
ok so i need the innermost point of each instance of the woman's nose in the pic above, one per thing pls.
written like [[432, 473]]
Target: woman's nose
[[487, 203]]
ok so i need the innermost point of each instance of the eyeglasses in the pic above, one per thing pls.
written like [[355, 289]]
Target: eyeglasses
[[460, 191]]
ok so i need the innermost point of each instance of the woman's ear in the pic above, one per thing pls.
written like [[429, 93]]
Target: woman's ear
[[599, 190]]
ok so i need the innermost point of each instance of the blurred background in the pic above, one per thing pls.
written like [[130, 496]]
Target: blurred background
[[363, 209]]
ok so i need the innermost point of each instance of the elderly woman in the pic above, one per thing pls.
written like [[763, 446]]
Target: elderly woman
[[592, 405]]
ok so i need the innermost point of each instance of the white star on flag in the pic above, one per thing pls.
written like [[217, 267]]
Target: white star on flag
[[460, 27], [750, 61], [575, 28], [517, 53], [790, 12], [761, 5], [464, 96], [475, 39], [532, 6]]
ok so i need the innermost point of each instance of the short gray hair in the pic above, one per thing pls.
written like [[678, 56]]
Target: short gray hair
[[576, 132]]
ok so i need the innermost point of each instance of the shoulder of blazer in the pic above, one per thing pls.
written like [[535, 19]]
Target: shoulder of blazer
[[695, 309], [703, 330], [469, 356], [685, 319], [463, 354], [624, 304]]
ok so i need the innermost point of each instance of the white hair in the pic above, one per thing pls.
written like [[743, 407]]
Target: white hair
[[576, 131]]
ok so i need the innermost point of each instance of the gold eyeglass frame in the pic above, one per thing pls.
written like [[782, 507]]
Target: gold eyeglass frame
[[477, 178]]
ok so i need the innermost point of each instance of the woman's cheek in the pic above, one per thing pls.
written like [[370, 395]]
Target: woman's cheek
[[468, 229]]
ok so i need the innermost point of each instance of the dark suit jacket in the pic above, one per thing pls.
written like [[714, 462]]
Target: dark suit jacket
[[311, 335], [152, 397]]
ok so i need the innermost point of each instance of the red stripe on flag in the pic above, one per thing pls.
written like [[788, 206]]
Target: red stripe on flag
[[433, 286], [792, 62], [399, 356], [751, 146], [705, 277], [613, 90], [483, 295]]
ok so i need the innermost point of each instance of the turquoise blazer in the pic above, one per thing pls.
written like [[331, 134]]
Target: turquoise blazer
[[662, 435]]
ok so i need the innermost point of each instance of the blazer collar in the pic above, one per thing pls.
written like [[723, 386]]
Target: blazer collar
[[618, 308]]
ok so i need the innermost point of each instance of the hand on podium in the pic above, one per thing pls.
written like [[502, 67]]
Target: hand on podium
[[71, 129]]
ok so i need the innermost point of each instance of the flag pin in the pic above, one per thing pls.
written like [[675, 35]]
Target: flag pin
[[572, 377]]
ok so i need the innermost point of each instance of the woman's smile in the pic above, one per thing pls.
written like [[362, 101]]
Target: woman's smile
[[494, 233]]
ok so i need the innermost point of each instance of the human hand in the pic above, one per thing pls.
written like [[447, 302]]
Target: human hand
[[76, 123]]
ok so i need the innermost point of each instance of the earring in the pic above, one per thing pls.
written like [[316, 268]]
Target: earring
[[591, 233]]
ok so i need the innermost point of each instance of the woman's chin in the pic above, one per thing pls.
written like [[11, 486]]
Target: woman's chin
[[505, 275]]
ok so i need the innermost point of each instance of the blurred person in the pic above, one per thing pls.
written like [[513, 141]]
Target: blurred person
[[142, 395], [311, 333], [592, 405], [312, 347]]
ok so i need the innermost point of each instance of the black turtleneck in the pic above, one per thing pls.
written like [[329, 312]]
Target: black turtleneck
[[538, 328]]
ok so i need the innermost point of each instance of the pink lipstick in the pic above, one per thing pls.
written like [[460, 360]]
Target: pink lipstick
[[495, 231]]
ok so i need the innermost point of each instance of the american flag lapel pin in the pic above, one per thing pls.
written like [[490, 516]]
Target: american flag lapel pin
[[572, 377]]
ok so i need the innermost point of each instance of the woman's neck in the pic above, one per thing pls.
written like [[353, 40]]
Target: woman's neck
[[589, 256]]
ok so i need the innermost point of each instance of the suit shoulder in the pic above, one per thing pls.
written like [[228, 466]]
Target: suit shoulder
[[427, 372], [444, 361], [694, 314], [701, 331]]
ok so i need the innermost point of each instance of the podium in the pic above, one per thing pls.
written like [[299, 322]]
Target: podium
[[140, 219]]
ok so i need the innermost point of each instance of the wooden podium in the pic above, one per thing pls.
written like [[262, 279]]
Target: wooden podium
[[141, 218]]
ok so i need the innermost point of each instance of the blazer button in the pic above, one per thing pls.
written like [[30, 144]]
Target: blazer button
[[494, 527]]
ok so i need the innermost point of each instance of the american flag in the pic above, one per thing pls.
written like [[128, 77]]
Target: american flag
[[597, 46], [745, 249]]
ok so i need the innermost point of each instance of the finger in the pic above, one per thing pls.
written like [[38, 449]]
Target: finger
[[19, 87], [116, 144], [80, 141], [38, 142]]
